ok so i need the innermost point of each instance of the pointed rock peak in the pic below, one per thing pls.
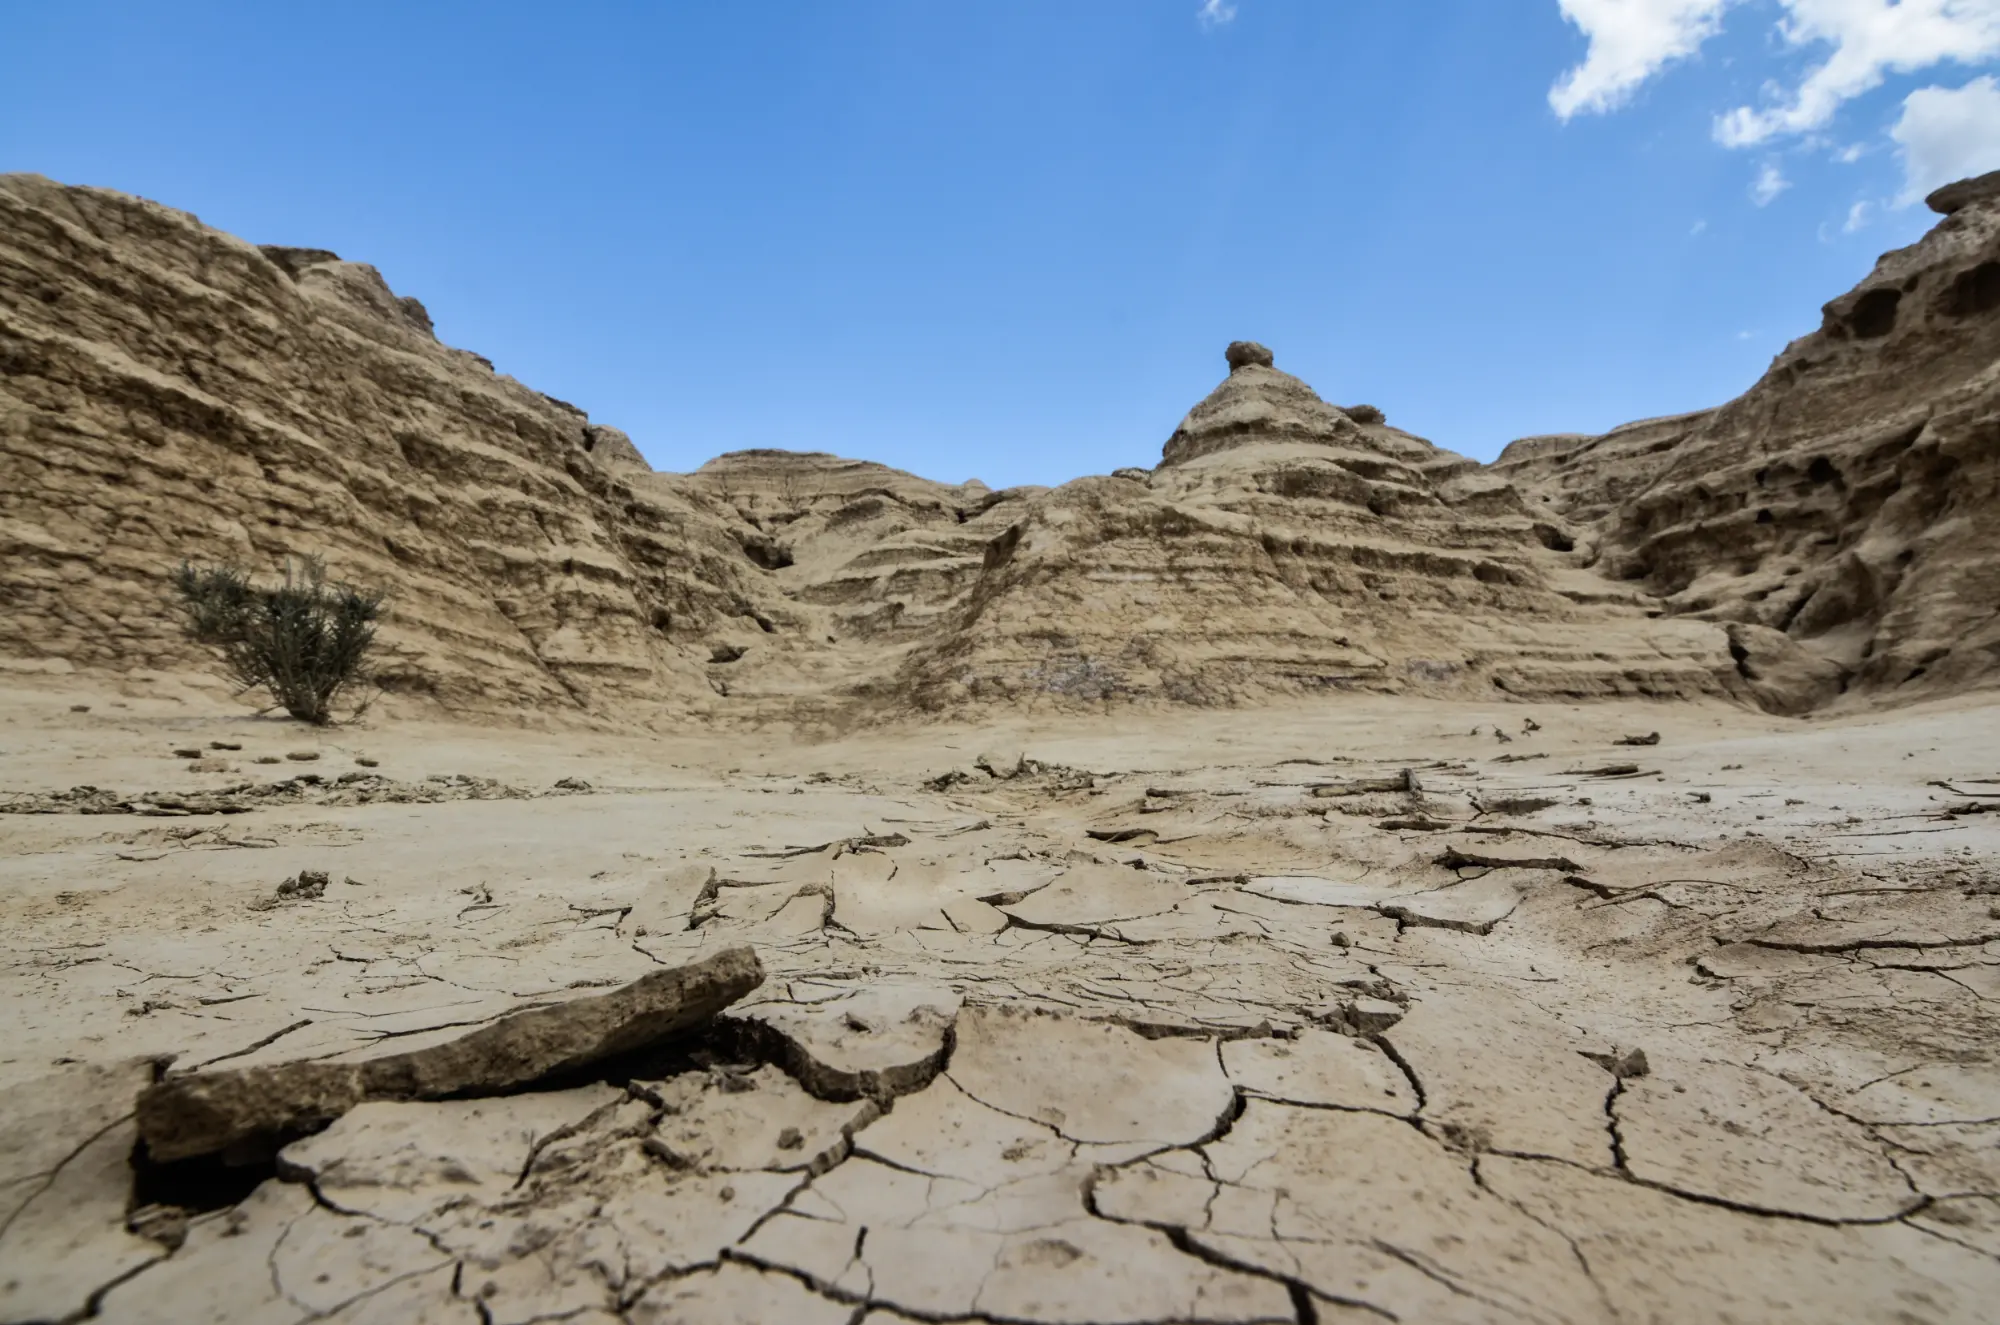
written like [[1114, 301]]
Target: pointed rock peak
[[1257, 403]]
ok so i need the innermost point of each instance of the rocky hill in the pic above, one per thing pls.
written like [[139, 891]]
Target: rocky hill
[[1840, 509], [1283, 547], [173, 392]]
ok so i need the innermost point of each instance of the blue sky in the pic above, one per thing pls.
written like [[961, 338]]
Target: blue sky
[[1010, 238]]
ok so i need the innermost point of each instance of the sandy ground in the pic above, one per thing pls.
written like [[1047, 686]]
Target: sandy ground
[[1195, 1016]]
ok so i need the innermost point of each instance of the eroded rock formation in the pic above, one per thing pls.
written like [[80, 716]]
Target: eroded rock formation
[[173, 392], [1839, 509], [168, 391], [1284, 549]]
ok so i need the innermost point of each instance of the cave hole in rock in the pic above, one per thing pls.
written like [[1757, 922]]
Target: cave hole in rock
[[1554, 539], [1874, 314], [1972, 292], [1821, 470], [766, 553], [725, 653], [1764, 515]]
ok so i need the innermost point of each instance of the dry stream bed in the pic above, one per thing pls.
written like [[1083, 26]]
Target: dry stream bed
[[1419, 1013]]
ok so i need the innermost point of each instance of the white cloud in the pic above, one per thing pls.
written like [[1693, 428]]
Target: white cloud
[[1857, 216], [1698, 227], [1870, 38], [1946, 134], [1851, 153], [1214, 13], [1770, 182], [1630, 41]]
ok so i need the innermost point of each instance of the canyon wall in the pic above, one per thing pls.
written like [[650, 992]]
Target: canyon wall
[[168, 391]]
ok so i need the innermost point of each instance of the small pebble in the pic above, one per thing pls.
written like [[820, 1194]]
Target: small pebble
[[79, 708], [303, 756], [265, 759], [187, 754], [366, 762], [225, 745]]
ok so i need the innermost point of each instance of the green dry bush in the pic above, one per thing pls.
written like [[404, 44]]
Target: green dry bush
[[304, 640]]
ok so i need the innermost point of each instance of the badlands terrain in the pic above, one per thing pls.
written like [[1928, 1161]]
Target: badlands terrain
[[1318, 878]]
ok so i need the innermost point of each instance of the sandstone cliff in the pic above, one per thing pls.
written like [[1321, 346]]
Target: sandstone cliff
[[1284, 548], [170, 391], [1838, 514]]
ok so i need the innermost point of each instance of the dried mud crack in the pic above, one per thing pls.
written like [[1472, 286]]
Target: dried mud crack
[[1271, 1098]]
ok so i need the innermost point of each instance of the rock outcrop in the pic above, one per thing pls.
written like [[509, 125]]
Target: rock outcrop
[[168, 391], [1837, 510], [1284, 548], [172, 392], [203, 1113]]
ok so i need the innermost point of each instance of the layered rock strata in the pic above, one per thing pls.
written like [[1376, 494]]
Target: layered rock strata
[[1284, 548], [1837, 512], [168, 391], [172, 392]]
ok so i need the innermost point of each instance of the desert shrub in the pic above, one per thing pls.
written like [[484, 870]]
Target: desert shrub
[[304, 640]]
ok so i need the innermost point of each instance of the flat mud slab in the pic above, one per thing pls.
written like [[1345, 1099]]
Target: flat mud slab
[[1136, 1029]]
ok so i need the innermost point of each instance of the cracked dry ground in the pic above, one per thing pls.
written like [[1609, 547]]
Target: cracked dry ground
[[1220, 1019]]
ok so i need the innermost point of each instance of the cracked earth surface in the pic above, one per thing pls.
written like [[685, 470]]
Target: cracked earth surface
[[1365, 1014]]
